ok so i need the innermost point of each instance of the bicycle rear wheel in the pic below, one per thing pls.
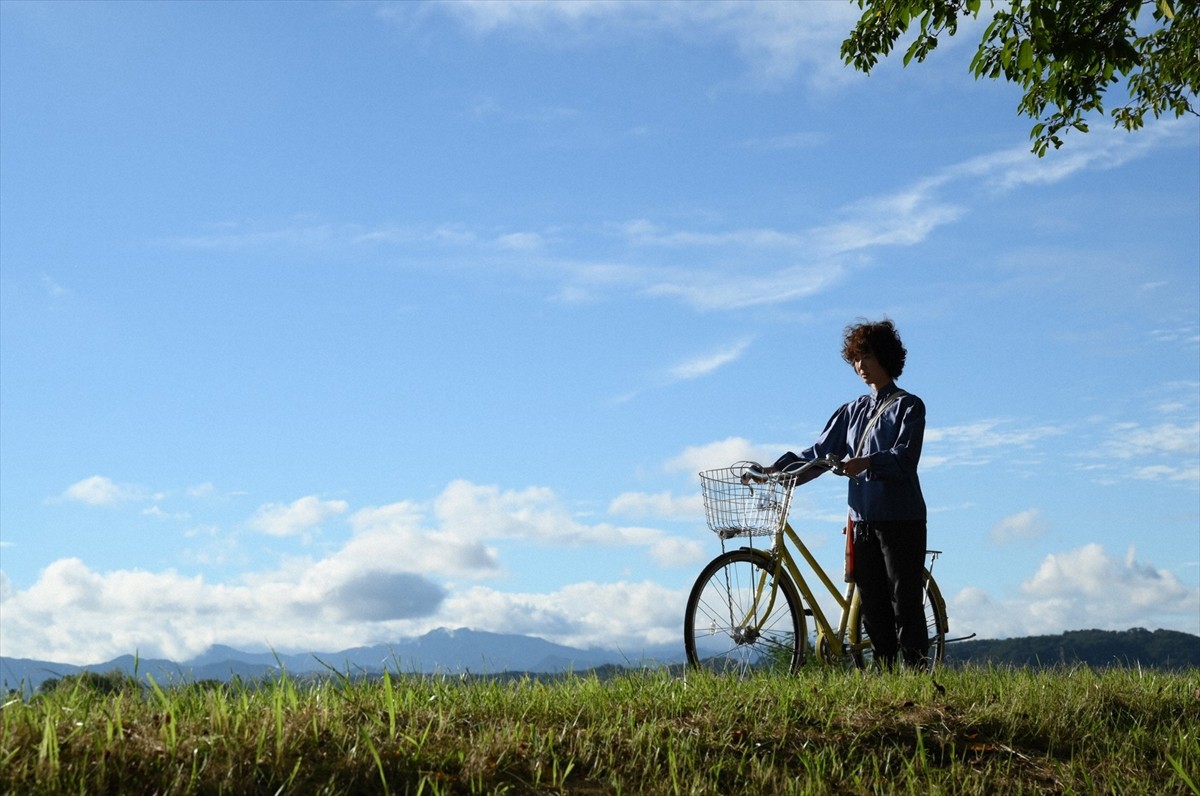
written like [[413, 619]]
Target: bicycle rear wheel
[[936, 624], [732, 625]]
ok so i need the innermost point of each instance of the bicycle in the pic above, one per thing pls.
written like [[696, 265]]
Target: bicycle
[[747, 611]]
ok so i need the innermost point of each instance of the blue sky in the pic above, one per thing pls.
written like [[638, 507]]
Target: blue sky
[[329, 324]]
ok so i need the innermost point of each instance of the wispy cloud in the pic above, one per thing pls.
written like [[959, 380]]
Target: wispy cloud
[[643, 232], [710, 268], [1102, 148], [705, 364], [236, 237], [981, 442], [819, 255], [904, 218], [798, 140], [693, 368], [1185, 334], [731, 287], [53, 288], [777, 41], [1164, 449]]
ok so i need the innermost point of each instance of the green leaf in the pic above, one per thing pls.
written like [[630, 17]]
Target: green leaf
[[1025, 55]]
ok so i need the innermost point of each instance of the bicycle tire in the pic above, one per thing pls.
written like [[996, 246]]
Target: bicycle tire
[[722, 597], [935, 620]]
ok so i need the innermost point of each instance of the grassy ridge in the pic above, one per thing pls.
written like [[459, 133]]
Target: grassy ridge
[[988, 731]]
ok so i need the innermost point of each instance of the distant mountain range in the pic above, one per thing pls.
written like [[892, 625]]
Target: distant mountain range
[[439, 651], [477, 652]]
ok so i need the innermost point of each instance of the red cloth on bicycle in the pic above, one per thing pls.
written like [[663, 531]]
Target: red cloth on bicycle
[[849, 531]]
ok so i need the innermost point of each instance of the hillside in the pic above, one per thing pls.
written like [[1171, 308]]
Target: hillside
[[1158, 649]]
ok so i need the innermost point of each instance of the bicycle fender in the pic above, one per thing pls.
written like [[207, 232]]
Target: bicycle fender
[[770, 563]]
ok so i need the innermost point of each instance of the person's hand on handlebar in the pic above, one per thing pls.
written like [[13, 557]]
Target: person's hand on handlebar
[[856, 466], [753, 471]]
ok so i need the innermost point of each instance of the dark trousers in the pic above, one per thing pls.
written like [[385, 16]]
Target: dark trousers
[[889, 568]]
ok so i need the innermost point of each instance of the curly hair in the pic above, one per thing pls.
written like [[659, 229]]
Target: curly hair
[[880, 339]]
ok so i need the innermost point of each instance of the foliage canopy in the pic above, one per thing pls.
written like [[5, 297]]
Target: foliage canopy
[[1065, 54]]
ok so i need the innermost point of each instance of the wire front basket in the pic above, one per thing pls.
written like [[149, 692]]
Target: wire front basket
[[737, 504]]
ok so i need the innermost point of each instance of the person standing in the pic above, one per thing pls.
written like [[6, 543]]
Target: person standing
[[878, 438]]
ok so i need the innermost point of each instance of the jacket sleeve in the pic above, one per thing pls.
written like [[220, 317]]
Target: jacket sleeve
[[831, 442]]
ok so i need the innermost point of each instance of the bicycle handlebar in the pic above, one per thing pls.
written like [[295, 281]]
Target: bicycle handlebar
[[753, 471]]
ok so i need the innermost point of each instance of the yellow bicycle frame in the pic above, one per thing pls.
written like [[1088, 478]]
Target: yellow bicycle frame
[[779, 555]]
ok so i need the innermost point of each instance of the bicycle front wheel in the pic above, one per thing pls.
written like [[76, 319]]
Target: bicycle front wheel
[[744, 615], [936, 625]]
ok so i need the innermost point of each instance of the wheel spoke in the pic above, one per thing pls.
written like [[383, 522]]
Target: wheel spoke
[[725, 626]]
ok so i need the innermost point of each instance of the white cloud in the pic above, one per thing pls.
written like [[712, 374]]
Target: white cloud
[[400, 573], [393, 577], [470, 511], [302, 515], [1174, 440], [1024, 525], [903, 218], [519, 241], [721, 454], [400, 532], [584, 615], [662, 504], [76, 615], [1081, 589], [679, 551], [158, 513], [203, 490], [99, 490]]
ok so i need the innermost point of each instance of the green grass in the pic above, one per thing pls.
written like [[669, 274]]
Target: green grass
[[989, 731]]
